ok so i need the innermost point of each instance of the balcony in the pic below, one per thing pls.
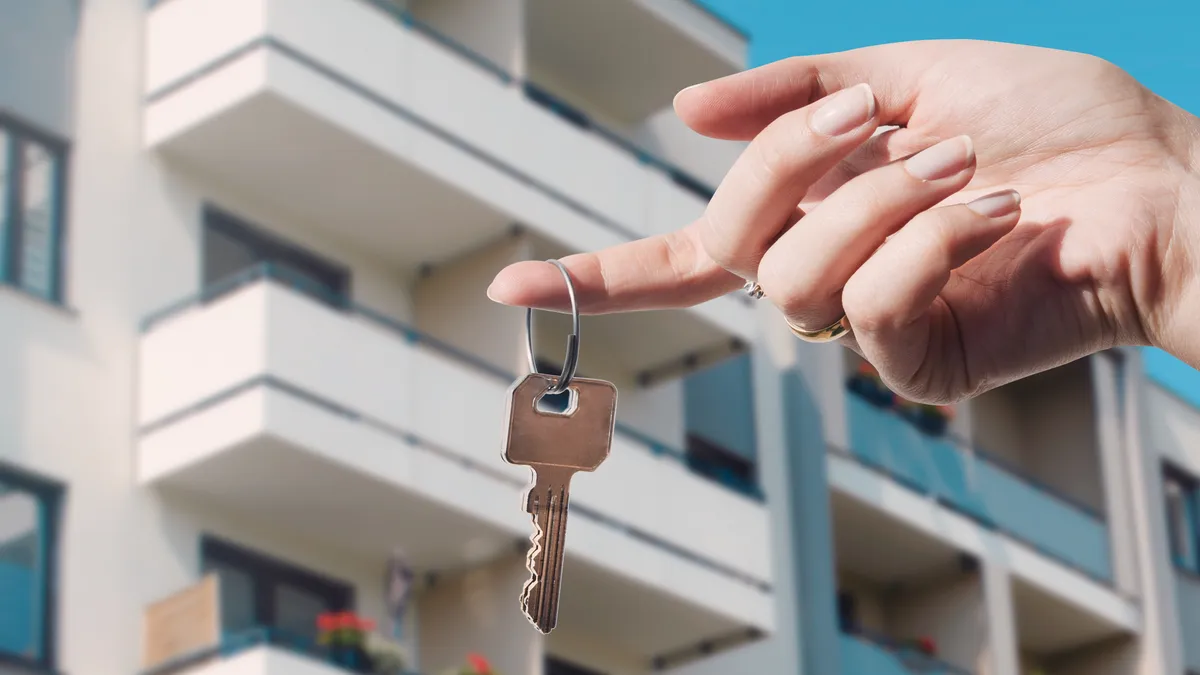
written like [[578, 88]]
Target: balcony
[[860, 655], [907, 601], [400, 125], [236, 408], [979, 487]]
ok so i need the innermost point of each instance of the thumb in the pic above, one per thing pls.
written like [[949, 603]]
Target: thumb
[[739, 106]]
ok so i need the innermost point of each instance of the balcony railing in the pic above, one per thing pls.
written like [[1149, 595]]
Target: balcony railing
[[281, 275], [545, 99], [861, 654], [979, 487]]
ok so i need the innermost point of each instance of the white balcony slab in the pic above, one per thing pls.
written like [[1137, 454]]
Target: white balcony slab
[[313, 418], [391, 138]]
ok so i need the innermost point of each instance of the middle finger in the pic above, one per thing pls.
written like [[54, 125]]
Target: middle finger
[[758, 197]]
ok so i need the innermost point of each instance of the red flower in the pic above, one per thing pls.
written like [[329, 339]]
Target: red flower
[[480, 664], [927, 645]]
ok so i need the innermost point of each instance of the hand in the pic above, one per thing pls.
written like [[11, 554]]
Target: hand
[[947, 300]]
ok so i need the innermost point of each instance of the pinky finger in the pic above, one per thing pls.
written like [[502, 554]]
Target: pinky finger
[[888, 299]]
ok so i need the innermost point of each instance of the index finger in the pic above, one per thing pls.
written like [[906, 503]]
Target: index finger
[[667, 271], [739, 106]]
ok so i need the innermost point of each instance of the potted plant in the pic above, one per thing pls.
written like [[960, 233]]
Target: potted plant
[[931, 419], [868, 384], [344, 634]]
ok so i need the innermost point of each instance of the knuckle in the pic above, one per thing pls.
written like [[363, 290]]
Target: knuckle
[[785, 146], [866, 305], [934, 236], [717, 243], [794, 290]]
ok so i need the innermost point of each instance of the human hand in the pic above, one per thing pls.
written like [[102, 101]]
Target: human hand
[[947, 300]]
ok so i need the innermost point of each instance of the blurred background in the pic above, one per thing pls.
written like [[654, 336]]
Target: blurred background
[[252, 392]]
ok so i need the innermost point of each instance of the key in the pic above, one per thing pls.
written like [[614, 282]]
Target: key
[[556, 446]]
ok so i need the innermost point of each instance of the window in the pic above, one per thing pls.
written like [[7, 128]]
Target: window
[[28, 567], [31, 209], [716, 462], [232, 246], [258, 591], [1179, 495]]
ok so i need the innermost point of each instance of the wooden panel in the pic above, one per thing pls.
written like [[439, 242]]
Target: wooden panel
[[186, 623]]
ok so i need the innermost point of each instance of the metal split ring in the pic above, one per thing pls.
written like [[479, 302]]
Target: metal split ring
[[571, 361]]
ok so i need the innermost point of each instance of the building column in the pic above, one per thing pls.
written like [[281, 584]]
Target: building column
[[1162, 646], [814, 417], [477, 612], [1117, 507], [1003, 650]]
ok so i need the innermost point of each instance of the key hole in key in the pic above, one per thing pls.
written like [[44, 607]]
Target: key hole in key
[[562, 404]]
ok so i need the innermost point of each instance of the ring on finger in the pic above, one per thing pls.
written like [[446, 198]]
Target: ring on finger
[[833, 331]]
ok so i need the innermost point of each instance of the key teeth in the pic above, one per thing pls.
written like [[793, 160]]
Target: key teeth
[[544, 625]]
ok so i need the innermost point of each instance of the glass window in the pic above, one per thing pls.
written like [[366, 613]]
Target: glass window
[[31, 173], [27, 514], [39, 214], [258, 591], [6, 149], [232, 246], [1179, 494]]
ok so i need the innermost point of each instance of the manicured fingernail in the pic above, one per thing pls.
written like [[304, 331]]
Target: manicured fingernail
[[845, 111], [942, 160], [997, 204]]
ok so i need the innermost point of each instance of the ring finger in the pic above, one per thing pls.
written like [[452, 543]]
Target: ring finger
[[804, 271]]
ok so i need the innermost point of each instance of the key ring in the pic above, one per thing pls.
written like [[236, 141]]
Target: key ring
[[571, 361]]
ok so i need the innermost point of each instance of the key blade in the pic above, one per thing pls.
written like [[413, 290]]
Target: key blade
[[539, 598]]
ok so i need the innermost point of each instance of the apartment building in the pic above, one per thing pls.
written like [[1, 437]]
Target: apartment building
[[248, 354], [247, 357]]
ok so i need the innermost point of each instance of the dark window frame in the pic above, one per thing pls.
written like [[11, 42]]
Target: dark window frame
[[269, 573], [50, 496], [336, 278], [1190, 487], [19, 132]]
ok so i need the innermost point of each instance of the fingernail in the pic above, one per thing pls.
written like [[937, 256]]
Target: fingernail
[[997, 204], [845, 111], [942, 160], [490, 296]]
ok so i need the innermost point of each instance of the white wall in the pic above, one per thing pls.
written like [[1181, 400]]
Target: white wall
[[952, 612], [451, 306], [667, 137], [473, 613], [1045, 427], [494, 30]]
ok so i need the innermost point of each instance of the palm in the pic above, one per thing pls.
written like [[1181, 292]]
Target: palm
[[1081, 154]]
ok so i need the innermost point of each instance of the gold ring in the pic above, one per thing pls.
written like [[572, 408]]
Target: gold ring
[[833, 331]]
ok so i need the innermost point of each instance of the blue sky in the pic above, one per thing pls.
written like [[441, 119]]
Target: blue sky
[[1158, 41]]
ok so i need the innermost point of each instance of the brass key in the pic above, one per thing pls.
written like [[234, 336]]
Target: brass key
[[555, 446]]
